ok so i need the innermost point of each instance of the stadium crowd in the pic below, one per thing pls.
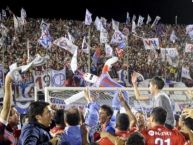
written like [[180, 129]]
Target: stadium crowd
[[97, 124]]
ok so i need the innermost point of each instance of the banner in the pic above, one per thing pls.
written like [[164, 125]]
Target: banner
[[41, 79], [151, 43], [185, 73], [58, 77]]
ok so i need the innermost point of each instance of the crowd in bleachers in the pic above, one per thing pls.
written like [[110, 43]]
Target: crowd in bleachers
[[139, 59]]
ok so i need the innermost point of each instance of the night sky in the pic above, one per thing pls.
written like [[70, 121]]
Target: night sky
[[75, 9]]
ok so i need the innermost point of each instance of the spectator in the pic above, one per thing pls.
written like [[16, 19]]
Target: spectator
[[37, 130], [158, 133], [159, 97]]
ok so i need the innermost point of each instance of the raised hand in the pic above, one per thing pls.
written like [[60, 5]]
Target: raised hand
[[187, 112]]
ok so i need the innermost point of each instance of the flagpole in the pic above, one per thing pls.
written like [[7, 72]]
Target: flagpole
[[3, 65], [89, 49], [165, 64], [176, 20], [127, 61]]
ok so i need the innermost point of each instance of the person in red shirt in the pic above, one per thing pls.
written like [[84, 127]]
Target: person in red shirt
[[58, 129], [186, 125], [158, 134]]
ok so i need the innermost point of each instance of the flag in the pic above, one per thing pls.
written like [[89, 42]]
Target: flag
[[71, 38], [104, 22], [117, 37], [140, 21], [88, 18], [127, 18], [125, 31], [103, 35], [115, 25], [133, 27], [96, 55], [73, 63], [189, 31], [189, 28], [185, 73], [23, 13], [97, 23], [45, 40], [85, 46], [16, 22], [23, 16], [173, 37], [108, 50], [66, 44], [155, 21], [44, 26], [133, 18], [148, 19], [4, 30], [4, 15]]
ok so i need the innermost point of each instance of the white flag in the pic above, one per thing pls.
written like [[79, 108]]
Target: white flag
[[66, 44], [71, 38], [85, 46], [45, 40], [185, 73], [173, 37], [108, 50], [23, 13], [16, 22], [133, 27], [103, 22], [117, 37], [23, 16], [189, 31], [103, 35], [115, 25], [155, 21], [97, 23], [133, 18], [4, 15], [148, 19], [73, 63], [140, 21], [44, 26], [88, 18], [127, 19]]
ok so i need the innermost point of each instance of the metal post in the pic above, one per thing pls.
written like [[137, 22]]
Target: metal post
[[176, 20], [89, 43]]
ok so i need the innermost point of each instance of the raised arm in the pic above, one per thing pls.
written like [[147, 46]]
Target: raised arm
[[136, 90], [132, 118], [7, 99]]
